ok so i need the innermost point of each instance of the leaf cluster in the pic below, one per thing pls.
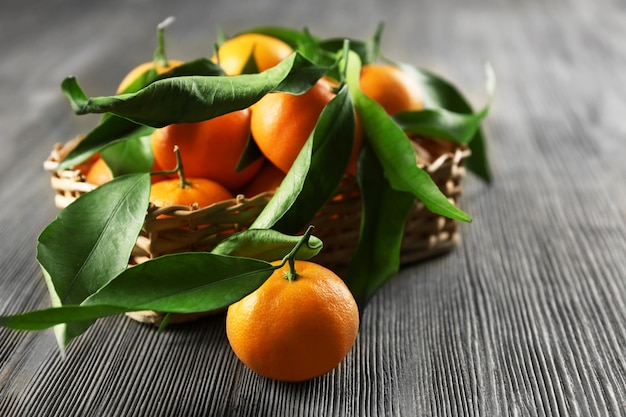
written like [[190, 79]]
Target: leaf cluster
[[84, 252]]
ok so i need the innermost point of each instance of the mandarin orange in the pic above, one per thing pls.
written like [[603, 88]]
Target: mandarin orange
[[269, 178], [195, 191], [145, 67], [294, 328], [268, 51], [391, 87], [211, 149], [281, 122], [99, 172]]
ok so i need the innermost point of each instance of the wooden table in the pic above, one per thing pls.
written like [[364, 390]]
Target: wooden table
[[526, 317]]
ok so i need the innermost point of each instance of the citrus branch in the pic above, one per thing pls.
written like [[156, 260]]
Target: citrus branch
[[291, 256], [178, 169]]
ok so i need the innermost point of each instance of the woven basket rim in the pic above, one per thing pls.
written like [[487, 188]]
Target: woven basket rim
[[60, 150]]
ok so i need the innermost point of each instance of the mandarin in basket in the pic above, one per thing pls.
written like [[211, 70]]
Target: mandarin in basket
[[268, 51], [211, 148], [99, 172], [281, 123], [194, 191], [181, 191], [294, 327], [269, 178], [391, 87]]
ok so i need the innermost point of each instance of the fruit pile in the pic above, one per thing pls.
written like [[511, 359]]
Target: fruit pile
[[279, 124], [273, 111]]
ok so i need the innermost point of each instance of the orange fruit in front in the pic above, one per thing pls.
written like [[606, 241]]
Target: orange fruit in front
[[99, 172], [210, 149], [269, 178], [294, 330], [391, 87], [281, 123], [197, 191], [235, 52], [142, 68]]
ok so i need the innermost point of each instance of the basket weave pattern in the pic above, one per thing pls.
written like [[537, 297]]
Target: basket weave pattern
[[180, 228]]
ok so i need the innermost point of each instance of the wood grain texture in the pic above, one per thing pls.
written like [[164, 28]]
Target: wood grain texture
[[527, 317]]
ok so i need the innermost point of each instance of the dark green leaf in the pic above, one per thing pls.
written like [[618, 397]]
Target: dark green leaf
[[201, 66], [188, 99], [394, 151], [90, 242], [250, 154], [377, 255], [359, 47], [70, 314], [141, 81], [266, 244], [179, 283], [441, 124], [129, 156], [251, 66], [439, 93], [317, 171], [398, 157], [112, 129], [184, 283]]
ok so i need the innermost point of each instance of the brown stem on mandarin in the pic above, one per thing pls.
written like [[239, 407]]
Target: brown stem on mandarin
[[292, 274], [178, 169]]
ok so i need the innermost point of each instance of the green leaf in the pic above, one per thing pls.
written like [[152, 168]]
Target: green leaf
[[439, 93], [129, 156], [266, 244], [317, 171], [367, 51], [398, 157], [70, 314], [250, 154], [187, 282], [377, 255], [201, 66], [90, 242], [394, 151], [112, 129], [179, 283], [442, 124], [189, 99], [250, 66]]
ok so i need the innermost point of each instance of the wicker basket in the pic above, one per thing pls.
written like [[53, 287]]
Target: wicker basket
[[337, 223]]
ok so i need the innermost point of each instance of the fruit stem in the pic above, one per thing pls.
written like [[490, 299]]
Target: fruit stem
[[160, 55], [178, 169], [292, 274], [375, 42]]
